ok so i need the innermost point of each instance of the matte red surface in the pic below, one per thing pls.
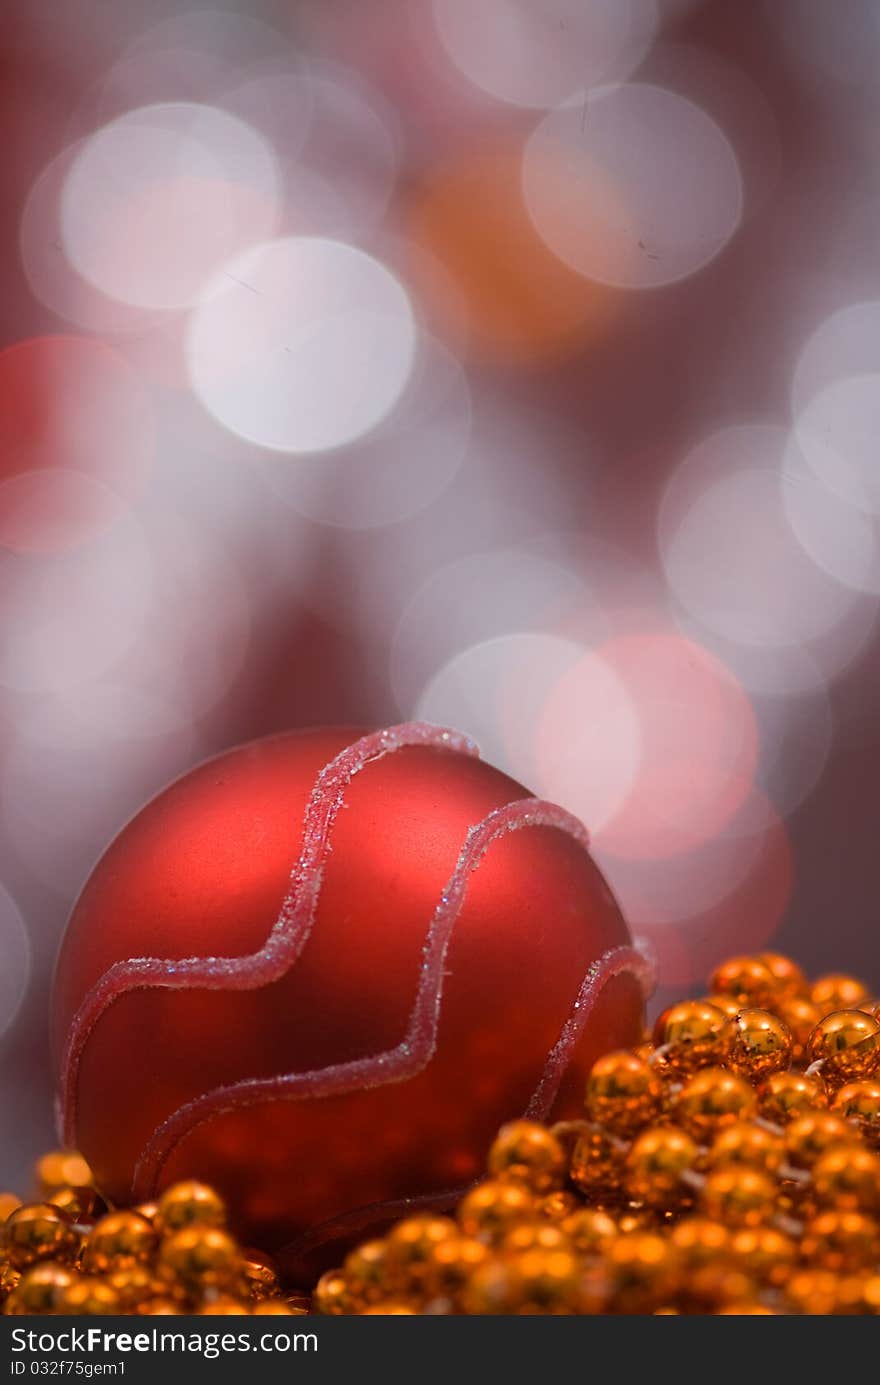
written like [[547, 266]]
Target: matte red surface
[[203, 870]]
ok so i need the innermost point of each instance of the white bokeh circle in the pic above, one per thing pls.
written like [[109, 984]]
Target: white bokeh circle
[[400, 468], [536, 52], [846, 343], [158, 199], [838, 431], [633, 185], [729, 552], [471, 601], [498, 691], [305, 344], [68, 618]]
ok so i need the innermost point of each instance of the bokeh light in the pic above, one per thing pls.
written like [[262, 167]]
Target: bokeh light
[[606, 176], [70, 617], [536, 52], [304, 344], [54, 828], [678, 729], [728, 896], [845, 344], [156, 201], [837, 432], [401, 467], [729, 553], [52, 278], [475, 599], [518, 301]]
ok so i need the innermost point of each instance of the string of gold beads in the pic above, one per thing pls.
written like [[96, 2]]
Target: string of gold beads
[[729, 1164], [70, 1254]]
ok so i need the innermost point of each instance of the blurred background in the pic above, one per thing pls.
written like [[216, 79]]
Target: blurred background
[[510, 364]]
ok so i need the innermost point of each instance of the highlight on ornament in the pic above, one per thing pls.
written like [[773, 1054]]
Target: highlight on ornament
[[728, 1164]]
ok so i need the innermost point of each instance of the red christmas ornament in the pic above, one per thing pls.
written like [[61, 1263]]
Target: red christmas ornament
[[320, 971]]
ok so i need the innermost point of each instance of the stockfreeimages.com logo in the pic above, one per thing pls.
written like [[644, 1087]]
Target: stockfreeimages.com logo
[[208, 1344]]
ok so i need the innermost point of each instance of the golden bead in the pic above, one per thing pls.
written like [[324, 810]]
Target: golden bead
[[88, 1295], [738, 1195], [259, 1276], [655, 1165], [745, 1310], [189, 1203], [716, 1284], [488, 1210], [150, 1210], [557, 1206], [841, 1241], [760, 1044], [366, 1271], [39, 1290], [700, 1241], [646, 1051], [801, 1016], [865, 1297], [332, 1295], [9, 1278], [278, 1307], [529, 1153], [623, 1093], [390, 1308], [747, 1143], [160, 1307], [727, 1004], [549, 1280], [223, 1305], [711, 1099], [693, 1034], [38, 1231], [535, 1281], [597, 1164], [200, 1258], [118, 1240], [494, 1287], [134, 1285], [766, 1254], [859, 1103], [748, 979], [837, 991], [453, 1262], [8, 1203], [638, 1219], [589, 1230], [787, 1095], [536, 1235], [848, 1176], [410, 1246], [645, 1271], [808, 1137], [847, 1044], [813, 1292], [79, 1204], [787, 975], [60, 1169]]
